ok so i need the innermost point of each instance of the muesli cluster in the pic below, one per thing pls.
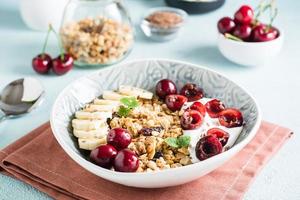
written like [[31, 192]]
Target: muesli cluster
[[150, 124], [133, 130], [96, 40]]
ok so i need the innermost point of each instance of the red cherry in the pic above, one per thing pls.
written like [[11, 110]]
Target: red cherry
[[244, 15], [42, 63], [103, 155], [226, 25], [263, 33], [126, 161], [175, 101], [207, 147], [191, 119], [230, 118], [165, 87], [60, 66], [119, 138], [243, 32], [199, 107], [220, 134], [214, 107], [192, 92]]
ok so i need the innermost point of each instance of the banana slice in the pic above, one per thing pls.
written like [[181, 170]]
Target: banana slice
[[134, 91], [88, 125], [100, 108], [93, 115], [90, 143], [106, 102], [99, 133], [111, 95]]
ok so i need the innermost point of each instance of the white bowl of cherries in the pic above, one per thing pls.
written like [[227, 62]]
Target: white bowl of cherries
[[247, 41]]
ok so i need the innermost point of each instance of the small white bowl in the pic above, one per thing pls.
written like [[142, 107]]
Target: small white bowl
[[249, 53]]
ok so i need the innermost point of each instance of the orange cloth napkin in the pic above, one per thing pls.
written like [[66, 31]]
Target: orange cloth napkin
[[38, 160]]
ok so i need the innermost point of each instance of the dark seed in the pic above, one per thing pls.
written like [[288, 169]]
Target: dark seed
[[158, 154], [157, 129], [146, 131]]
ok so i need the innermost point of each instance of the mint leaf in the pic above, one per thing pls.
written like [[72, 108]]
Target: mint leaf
[[129, 102], [172, 142], [184, 141], [123, 111]]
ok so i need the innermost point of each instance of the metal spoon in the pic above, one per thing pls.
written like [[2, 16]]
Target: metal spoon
[[20, 97]]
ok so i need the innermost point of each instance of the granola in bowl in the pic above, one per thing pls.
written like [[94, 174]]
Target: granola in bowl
[[133, 130]]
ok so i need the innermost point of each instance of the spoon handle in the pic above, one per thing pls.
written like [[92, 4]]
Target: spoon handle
[[2, 115]]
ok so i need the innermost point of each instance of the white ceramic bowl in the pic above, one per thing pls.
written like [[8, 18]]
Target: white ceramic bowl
[[250, 53], [145, 74]]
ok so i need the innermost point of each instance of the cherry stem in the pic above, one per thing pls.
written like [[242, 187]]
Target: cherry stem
[[273, 13], [262, 8], [232, 37], [62, 56], [46, 40]]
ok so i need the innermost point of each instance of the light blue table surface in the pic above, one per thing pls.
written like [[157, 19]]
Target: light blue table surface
[[275, 85]]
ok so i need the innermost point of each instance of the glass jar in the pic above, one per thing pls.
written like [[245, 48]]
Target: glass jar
[[96, 32]]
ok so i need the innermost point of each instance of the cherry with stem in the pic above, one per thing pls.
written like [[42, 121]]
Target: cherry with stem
[[64, 62], [264, 33], [42, 63]]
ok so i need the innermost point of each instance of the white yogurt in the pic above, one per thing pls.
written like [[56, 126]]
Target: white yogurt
[[207, 124]]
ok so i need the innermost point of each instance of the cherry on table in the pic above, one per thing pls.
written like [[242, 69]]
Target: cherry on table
[[191, 119], [42, 63], [103, 155], [62, 64], [119, 138], [244, 15], [192, 91], [226, 25], [126, 161], [175, 101], [165, 87]]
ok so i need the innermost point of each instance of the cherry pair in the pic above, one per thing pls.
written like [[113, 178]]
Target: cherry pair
[[43, 62]]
